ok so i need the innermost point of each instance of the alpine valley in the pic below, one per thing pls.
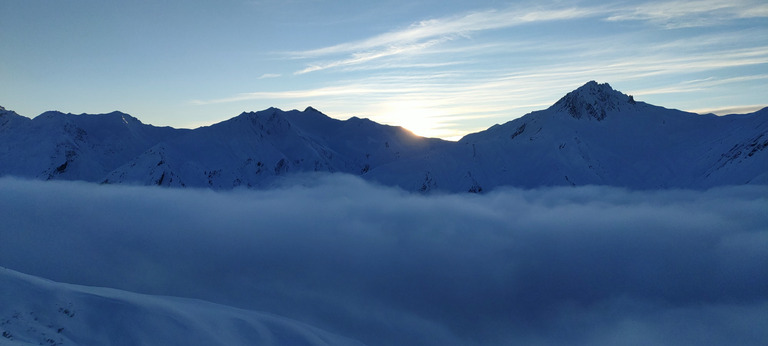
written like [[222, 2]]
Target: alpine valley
[[594, 135]]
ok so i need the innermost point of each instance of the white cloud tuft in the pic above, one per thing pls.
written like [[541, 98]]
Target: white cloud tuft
[[269, 75]]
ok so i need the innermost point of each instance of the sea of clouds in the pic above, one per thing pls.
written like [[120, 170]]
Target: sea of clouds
[[562, 265]]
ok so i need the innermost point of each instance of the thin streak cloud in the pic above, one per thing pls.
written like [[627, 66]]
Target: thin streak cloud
[[573, 74], [451, 26], [433, 32], [358, 58], [682, 14], [740, 109], [703, 84], [675, 14], [269, 75]]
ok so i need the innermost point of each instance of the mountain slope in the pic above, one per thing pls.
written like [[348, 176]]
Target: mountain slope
[[38, 311], [593, 135]]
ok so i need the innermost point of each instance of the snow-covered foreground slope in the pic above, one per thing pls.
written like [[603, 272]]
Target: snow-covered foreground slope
[[593, 135], [552, 266], [34, 311]]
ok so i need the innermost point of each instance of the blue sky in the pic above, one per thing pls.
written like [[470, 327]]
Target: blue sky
[[439, 68]]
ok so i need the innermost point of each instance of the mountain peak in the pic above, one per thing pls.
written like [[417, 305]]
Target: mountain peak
[[593, 100]]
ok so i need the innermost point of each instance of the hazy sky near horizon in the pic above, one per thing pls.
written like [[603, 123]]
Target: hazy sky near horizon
[[439, 68]]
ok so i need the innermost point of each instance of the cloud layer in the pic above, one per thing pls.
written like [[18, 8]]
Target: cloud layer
[[589, 265]]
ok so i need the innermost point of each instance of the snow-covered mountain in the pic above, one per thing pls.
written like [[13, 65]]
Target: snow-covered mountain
[[36, 311], [86, 147], [254, 148], [593, 135], [596, 135]]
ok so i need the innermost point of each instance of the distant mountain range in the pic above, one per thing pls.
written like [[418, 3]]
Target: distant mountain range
[[593, 135]]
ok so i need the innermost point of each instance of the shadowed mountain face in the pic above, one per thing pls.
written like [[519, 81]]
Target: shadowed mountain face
[[593, 135]]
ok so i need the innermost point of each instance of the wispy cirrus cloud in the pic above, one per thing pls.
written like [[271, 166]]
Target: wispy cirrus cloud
[[702, 84], [358, 58], [270, 75], [428, 33], [459, 25], [740, 109], [344, 89], [683, 13], [477, 82]]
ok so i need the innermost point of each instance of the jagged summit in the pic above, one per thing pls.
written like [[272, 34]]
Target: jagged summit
[[4, 111], [593, 101], [8, 116]]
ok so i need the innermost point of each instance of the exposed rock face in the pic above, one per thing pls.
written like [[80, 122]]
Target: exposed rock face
[[594, 101]]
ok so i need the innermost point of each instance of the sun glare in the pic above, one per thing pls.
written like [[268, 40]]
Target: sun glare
[[418, 117]]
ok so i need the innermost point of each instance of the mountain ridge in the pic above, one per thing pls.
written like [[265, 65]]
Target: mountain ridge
[[592, 135]]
